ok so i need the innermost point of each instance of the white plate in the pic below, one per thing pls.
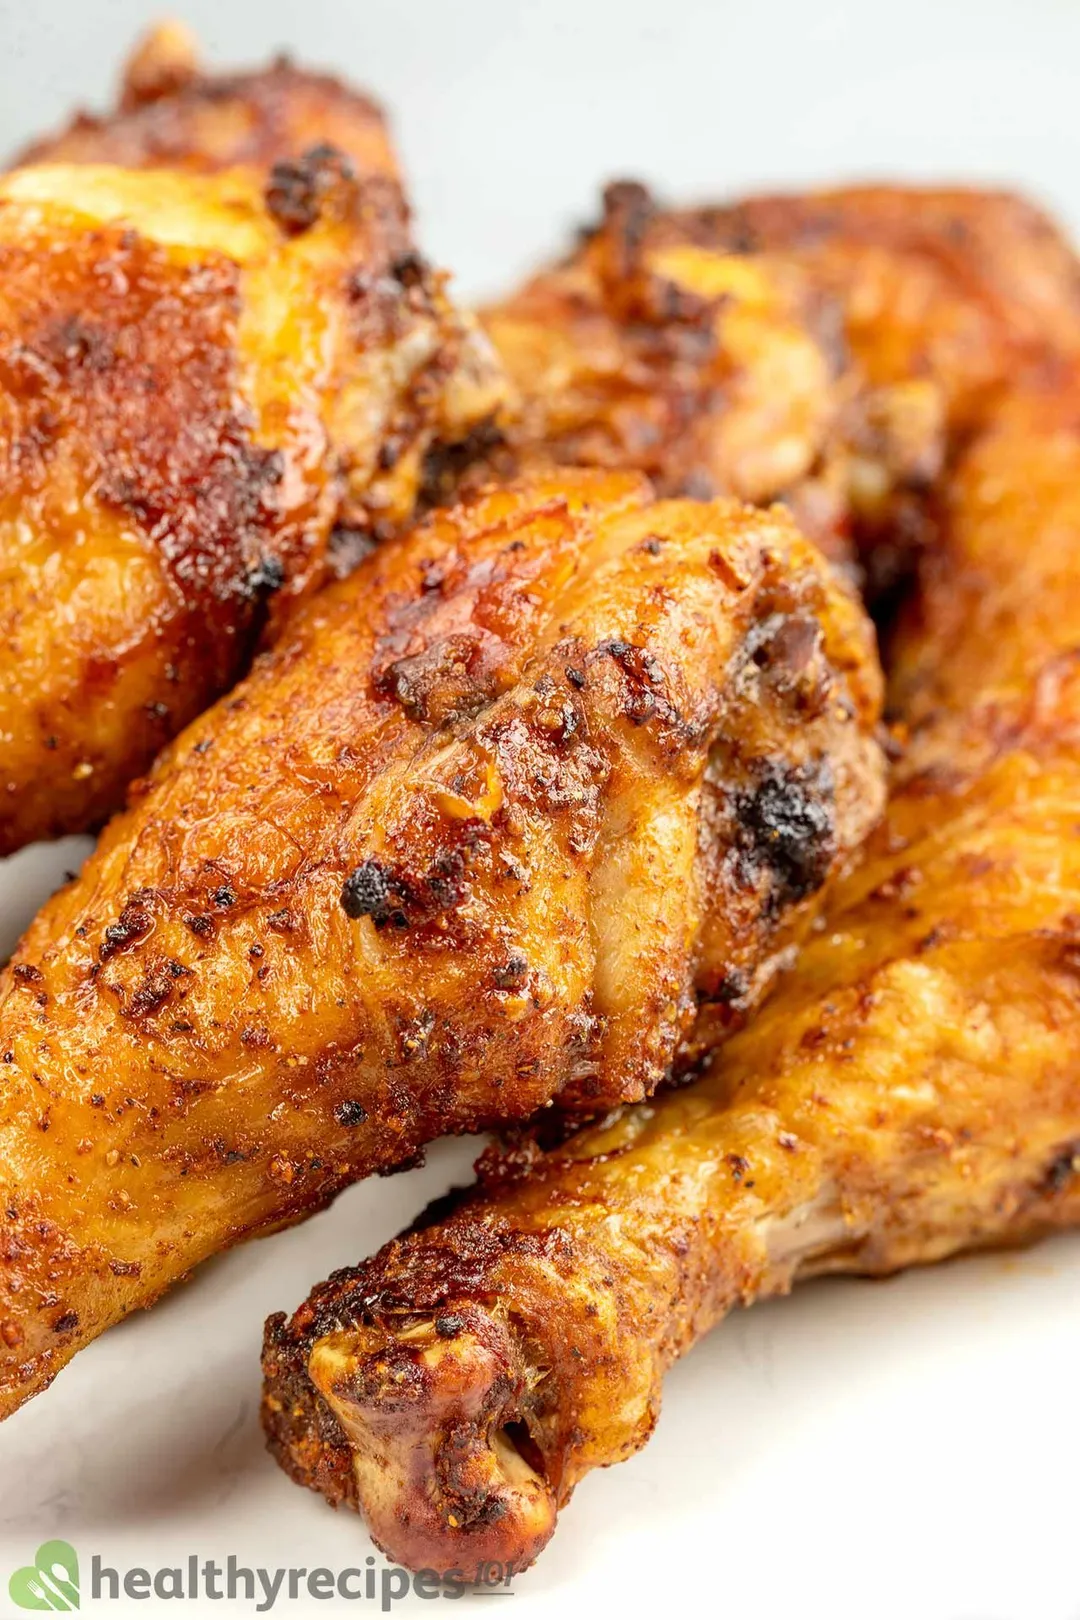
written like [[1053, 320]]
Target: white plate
[[897, 1451]]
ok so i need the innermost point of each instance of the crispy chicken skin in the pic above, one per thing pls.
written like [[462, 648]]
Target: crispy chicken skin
[[172, 114], [961, 286], [821, 349], [947, 296], [911, 1090], [199, 376], [714, 373], [485, 827]]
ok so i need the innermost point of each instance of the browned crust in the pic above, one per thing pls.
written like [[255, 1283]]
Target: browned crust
[[559, 754], [989, 281], [521, 1317], [157, 431], [171, 113], [711, 377], [911, 1091], [210, 378], [824, 349]]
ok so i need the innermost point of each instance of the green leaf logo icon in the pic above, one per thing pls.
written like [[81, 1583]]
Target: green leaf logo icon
[[51, 1581]]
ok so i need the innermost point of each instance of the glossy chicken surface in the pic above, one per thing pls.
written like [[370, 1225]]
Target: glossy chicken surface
[[820, 349], [911, 1090], [964, 287], [200, 376], [529, 806]]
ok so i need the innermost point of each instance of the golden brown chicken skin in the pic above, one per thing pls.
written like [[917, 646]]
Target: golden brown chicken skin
[[714, 373], [827, 349], [537, 796], [913, 1089], [171, 113], [199, 375], [956, 285], [947, 296]]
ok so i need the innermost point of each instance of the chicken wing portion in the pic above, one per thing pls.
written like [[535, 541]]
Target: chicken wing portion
[[536, 796], [172, 114], [198, 375], [911, 1090]]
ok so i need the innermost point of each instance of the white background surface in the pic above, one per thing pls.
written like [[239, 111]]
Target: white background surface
[[899, 1451]]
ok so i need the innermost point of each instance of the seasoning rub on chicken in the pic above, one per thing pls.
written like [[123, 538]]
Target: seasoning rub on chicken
[[825, 349], [911, 1090], [530, 806], [206, 371]]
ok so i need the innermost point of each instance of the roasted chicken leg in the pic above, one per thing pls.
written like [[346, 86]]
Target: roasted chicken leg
[[913, 1089], [200, 376], [530, 806]]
